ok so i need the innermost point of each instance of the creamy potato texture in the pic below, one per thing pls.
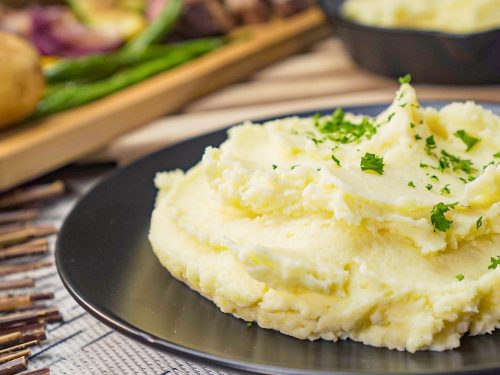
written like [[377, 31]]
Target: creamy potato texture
[[456, 16], [383, 230]]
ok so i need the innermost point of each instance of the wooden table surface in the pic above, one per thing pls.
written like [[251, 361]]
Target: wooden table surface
[[322, 77]]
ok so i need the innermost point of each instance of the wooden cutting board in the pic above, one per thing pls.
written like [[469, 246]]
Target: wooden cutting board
[[33, 149]]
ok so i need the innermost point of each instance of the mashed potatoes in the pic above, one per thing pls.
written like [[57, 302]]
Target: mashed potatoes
[[384, 230], [455, 16]]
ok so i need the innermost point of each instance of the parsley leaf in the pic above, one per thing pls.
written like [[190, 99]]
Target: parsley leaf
[[494, 263], [438, 220], [405, 79], [372, 162], [430, 144], [412, 125], [469, 140], [391, 116], [445, 190], [428, 186], [411, 184], [275, 167], [460, 277], [337, 161], [448, 159], [479, 223], [423, 165], [418, 137], [338, 129], [497, 155]]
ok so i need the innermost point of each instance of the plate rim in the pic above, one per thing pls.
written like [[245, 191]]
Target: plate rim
[[130, 331]]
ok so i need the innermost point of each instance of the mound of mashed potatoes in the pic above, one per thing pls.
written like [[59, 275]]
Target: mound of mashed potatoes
[[455, 16], [383, 230]]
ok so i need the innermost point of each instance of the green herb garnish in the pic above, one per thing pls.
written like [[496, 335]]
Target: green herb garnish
[[418, 137], [411, 184], [469, 140], [495, 262], [430, 144], [372, 162], [460, 277], [464, 165], [391, 116], [337, 161], [479, 223], [434, 177], [405, 79], [497, 155], [249, 324], [423, 165], [275, 167], [412, 125], [428, 186], [445, 190], [338, 129], [438, 219]]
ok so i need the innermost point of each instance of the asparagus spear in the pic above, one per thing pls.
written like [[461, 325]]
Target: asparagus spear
[[159, 28], [106, 64], [74, 95]]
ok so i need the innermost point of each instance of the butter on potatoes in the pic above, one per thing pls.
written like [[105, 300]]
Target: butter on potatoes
[[384, 230], [454, 16]]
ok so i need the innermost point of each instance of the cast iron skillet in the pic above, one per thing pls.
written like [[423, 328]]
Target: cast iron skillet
[[106, 263], [431, 57]]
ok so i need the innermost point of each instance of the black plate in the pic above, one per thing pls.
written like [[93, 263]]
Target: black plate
[[433, 57], [106, 263]]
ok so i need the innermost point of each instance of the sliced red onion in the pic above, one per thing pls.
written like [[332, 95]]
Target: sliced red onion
[[56, 32]]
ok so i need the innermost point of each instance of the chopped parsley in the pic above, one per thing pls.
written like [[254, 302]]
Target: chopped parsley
[[338, 129], [460, 277], [249, 324], [430, 144], [275, 167], [403, 105], [372, 162], [445, 190], [495, 262], [434, 177], [464, 165], [418, 137], [469, 140], [428, 186], [411, 184], [497, 155], [405, 79], [391, 116], [337, 161], [479, 223], [438, 219], [293, 167], [423, 165], [412, 125]]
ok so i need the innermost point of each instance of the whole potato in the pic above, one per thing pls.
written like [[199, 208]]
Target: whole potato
[[21, 79]]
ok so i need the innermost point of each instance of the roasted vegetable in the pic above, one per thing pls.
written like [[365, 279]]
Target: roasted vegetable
[[56, 32], [102, 65], [159, 28], [74, 95], [21, 79], [120, 18]]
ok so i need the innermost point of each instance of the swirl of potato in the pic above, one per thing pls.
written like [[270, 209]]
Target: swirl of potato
[[21, 77]]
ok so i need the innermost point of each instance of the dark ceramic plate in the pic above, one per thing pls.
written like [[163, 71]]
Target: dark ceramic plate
[[432, 57], [105, 261]]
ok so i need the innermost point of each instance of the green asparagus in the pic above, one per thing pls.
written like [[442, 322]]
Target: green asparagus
[[103, 65], [70, 96], [159, 28]]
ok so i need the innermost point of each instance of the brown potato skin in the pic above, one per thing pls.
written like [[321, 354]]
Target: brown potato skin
[[21, 79]]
